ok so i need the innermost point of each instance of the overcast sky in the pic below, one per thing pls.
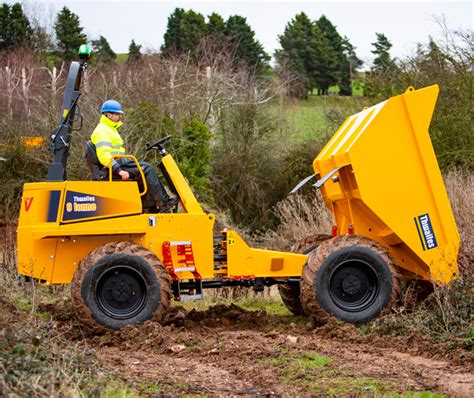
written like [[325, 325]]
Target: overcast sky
[[405, 23]]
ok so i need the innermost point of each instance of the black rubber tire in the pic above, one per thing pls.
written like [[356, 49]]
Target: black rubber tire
[[360, 264], [290, 292], [95, 305], [290, 295]]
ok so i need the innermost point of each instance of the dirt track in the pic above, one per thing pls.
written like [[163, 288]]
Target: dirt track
[[230, 351]]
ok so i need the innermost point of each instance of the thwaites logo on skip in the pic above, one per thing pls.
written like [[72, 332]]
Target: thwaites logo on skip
[[425, 232]]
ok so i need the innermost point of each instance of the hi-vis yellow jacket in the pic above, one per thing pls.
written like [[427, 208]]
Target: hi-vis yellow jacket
[[108, 142]]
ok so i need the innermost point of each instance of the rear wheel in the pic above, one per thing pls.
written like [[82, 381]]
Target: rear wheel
[[351, 278], [120, 284], [290, 292]]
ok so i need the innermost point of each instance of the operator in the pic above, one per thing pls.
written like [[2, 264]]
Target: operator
[[108, 143]]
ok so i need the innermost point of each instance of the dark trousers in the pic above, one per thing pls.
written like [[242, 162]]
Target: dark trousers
[[156, 193]]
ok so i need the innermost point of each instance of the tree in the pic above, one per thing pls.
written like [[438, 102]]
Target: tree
[[184, 30], [329, 30], [15, 29], [307, 51], [337, 73], [172, 37], [193, 28], [383, 76], [350, 64], [134, 54], [296, 56], [68, 33], [41, 40], [102, 51], [326, 61], [248, 50], [216, 26], [382, 59]]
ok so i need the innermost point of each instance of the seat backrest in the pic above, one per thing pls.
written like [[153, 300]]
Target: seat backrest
[[97, 170]]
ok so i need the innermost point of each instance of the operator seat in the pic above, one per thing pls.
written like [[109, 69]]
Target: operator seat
[[98, 171]]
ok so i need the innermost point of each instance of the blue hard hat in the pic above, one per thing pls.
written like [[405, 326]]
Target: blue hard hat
[[111, 106]]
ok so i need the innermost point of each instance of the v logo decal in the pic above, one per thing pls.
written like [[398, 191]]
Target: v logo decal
[[28, 202]]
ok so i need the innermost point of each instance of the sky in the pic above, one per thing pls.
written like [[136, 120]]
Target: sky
[[404, 22]]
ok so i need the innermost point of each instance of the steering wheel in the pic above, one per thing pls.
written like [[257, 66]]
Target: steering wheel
[[160, 144]]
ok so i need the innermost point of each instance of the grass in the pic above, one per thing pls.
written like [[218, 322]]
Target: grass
[[150, 389], [121, 58], [322, 376], [317, 374], [306, 122], [312, 118], [119, 391], [35, 363], [271, 305], [269, 301], [417, 394], [357, 88], [35, 357]]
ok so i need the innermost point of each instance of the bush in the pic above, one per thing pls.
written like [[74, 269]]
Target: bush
[[190, 144], [194, 156], [20, 166], [299, 159], [299, 217], [248, 166], [447, 63], [145, 123]]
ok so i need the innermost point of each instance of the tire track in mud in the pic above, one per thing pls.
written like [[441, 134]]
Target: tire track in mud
[[225, 351], [410, 372], [198, 376]]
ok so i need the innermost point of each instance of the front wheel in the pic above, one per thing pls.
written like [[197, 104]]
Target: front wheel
[[351, 278], [120, 284]]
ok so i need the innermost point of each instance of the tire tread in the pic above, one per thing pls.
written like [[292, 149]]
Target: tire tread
[[123, 247], [309, 300]]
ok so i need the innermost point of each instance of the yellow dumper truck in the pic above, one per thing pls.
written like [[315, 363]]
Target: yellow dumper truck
[[378, 175]]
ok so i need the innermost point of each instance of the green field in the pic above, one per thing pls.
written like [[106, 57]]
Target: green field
[[318, 116], [122, 58]]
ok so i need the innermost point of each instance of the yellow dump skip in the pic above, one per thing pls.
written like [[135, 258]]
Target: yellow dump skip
[[389, 186]]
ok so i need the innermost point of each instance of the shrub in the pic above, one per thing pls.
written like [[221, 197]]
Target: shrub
[[247, 165], [20, 166], [190, 144], [145, 123], [194, 155], [299, 216], [447, 63]]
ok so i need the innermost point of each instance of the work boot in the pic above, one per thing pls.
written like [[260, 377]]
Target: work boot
[[172, 202]]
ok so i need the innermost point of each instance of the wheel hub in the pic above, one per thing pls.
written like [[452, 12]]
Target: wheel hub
[[121, 292], [353, 285]]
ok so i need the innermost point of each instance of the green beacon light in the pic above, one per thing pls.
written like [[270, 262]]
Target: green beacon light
[[84, 52]]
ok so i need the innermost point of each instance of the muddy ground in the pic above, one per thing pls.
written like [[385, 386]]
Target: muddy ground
[[227, 350]]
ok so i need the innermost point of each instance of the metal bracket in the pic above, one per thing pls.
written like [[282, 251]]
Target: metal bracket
[[301, 183], [321, 182]]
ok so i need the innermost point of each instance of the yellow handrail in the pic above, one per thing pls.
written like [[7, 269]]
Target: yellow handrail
[[145, 187]]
